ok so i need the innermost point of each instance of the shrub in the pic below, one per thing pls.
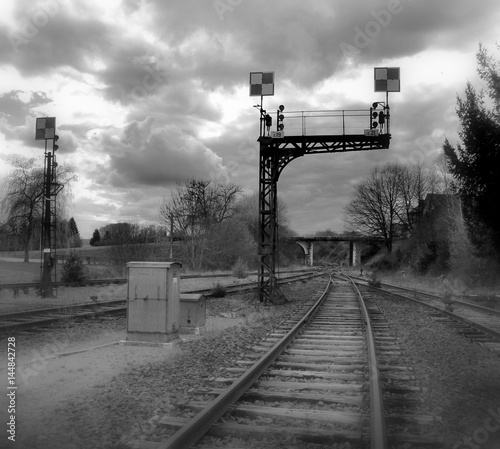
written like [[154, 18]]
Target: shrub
[[73, 270], [240, 269], [218, 291], [447, 298], [386, 263], [374, 281]]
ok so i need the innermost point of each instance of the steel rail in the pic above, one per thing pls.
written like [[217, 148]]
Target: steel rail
[[437, 297], [22, 285], [201, 423], [46, 316], [491, 332], [378, 437], [56, 314]]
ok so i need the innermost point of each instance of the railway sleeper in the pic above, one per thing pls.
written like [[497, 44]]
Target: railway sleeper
[[317, 352], [357, 373], [330, 417], [324, 339], [305, 374], [304, 365], [312, 359], [400, 401], [299, 386], [259, 432], [286, 396], [306, 344]]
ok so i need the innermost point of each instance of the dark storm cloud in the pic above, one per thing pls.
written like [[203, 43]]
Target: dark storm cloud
[[302, 40], [18, 120], [161, 65], [127, 66], [182, 103], [145, 154], [38, 43], [15, 110]]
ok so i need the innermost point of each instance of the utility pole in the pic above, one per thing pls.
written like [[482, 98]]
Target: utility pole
[[171, 236]]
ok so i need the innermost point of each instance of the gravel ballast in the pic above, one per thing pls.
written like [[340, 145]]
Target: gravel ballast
[[461, 377], [112, 395]]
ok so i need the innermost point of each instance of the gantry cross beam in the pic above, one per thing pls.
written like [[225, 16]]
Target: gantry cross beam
[[277, 153]]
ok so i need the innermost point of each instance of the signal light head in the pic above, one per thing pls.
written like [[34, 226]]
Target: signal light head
[[269, 121], [281, 108]]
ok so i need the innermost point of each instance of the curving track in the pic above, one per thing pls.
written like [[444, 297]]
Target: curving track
[[330, 374], [478, 323]]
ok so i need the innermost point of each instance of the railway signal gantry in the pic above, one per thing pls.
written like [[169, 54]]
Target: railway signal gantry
[[299, 133]]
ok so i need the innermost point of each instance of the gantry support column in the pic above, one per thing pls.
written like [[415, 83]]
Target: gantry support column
[[268, 223]]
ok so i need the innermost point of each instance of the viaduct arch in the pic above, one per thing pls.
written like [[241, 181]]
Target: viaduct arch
[[307, 244]]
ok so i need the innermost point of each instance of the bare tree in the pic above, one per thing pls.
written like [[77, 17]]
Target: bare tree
[[22, 195], [194, 209], [414, 183], [374, 208], [387, 203]]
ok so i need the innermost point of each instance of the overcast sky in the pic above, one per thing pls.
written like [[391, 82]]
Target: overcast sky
[[148, 93]]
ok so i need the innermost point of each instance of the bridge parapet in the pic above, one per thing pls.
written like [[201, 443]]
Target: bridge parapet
[[338, 238]]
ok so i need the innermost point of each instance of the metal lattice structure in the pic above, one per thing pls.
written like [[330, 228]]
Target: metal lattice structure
[[308, 132], [46, 130]]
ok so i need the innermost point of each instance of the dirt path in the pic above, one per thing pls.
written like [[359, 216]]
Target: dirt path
[[53, 377]]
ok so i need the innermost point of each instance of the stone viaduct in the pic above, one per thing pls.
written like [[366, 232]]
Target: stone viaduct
[[307, 244]]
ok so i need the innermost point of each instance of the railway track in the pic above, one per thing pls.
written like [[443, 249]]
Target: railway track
[[329, 374], [91, 282], [476, 322], [47, 316]]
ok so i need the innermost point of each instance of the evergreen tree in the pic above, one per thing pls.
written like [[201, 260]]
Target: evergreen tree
[[75, 240], [475, 162], [73, 227], [96, 238]]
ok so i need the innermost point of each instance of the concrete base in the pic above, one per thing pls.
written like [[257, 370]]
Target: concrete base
[[192, 330], [152, 336], [150, 344]]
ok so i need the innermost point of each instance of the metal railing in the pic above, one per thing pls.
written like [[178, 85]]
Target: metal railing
[[330, 122]]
